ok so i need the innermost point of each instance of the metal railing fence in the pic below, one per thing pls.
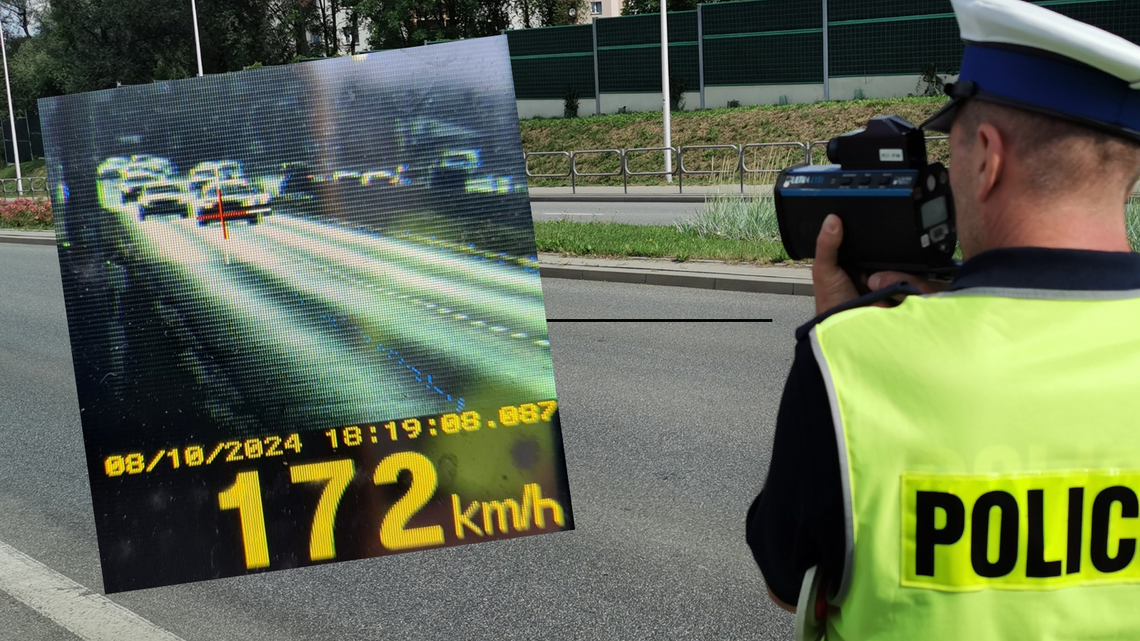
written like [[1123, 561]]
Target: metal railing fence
[[800, 153], [36, 186], [735, 164], [574, 173], [705, 172], [744, 169], [628, 172]]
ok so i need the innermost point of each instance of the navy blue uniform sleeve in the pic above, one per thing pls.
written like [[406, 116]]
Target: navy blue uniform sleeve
[[797, 521]]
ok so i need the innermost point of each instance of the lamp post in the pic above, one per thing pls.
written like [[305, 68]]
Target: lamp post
[[197, 43], [11, 115], [665, 94], [573, 14]]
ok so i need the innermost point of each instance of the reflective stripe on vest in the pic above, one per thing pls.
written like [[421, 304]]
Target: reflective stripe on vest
[[990, 454]]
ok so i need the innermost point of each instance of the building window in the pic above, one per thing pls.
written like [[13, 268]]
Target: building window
[[596, 8]]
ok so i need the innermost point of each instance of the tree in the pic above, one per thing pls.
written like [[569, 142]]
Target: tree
[[291, 21], [103, 43], [549, 13], [100, 45], [404, 23], [236, 34], [21, 18], [35, 74], [638, 7]]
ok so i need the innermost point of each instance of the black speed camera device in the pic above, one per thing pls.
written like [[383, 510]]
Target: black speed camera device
[[896, 207]]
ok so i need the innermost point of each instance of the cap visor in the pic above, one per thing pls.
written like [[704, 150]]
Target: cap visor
[[943, 118]]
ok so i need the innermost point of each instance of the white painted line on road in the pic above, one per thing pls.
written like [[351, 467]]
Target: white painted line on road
[[568, 214], [89, 616]]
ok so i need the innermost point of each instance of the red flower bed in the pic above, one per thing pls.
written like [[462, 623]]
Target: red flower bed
[[26, 213]]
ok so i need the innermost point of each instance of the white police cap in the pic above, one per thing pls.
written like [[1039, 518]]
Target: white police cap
[[1025, 56]]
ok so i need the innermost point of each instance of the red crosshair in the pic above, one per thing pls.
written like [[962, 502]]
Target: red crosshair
[[222, 214]]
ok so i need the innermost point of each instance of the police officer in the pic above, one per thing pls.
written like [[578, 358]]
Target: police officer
[[966, 464]]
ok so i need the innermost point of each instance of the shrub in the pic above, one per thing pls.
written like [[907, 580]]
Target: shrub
[[676, 94], [570, 103], [929, 82], [26, 213], [748, 218]]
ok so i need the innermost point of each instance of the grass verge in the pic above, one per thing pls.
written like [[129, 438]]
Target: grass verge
[[30, 169], [741, 125], [618, 240], [730, 229]]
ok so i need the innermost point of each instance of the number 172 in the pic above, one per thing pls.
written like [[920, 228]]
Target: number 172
[[245, 497]]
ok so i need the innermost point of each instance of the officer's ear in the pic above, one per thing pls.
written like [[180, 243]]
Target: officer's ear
[[990, 161]]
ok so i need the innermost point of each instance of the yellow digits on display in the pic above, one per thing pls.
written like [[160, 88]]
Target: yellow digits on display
[[337, 474], [394, 534], [412, 427], [245, 497]]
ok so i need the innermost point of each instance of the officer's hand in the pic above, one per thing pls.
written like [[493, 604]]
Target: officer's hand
[[830, 282], [879, 280]]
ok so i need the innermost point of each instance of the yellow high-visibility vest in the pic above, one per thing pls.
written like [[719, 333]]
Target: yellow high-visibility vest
[[989, 445]]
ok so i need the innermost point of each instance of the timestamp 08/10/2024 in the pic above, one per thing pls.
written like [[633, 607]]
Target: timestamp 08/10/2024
[[233, 451], [246, 493]]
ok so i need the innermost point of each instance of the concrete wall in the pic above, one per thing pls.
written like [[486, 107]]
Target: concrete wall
[[878, 86], [716, 97], [550, 108], [613, 102]]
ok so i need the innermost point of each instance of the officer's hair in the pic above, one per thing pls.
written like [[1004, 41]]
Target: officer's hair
[[1059, 155]]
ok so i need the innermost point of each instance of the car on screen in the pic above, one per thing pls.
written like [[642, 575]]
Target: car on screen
[[154, 164], [385, 176], [164, 198], [214, 171], [298, 179], [461, 159], [134, 182], [451, 171], [113, 167], [233, 200]]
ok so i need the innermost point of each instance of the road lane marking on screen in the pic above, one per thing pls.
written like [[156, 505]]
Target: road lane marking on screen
[[87, 615]]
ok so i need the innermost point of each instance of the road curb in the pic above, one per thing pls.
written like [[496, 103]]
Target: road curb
[[635, 198], [28, 237], [620, 198], [751, 284]]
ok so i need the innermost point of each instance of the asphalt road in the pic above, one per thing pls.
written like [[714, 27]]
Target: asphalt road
[[619, 212], [667, 429]]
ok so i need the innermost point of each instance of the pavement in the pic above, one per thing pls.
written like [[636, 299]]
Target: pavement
[[700, 274], [667, 430]]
